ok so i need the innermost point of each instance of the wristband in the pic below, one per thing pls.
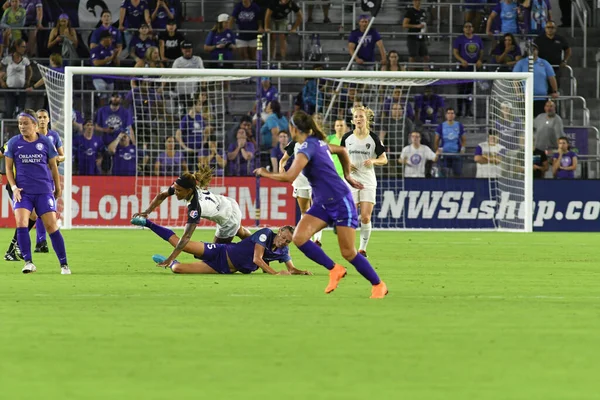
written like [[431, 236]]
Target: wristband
[[14, 187]]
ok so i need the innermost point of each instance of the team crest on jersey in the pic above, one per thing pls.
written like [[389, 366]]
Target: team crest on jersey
[[303, 145], [262, 238], [368, 146], [39, 146], [194, 214]]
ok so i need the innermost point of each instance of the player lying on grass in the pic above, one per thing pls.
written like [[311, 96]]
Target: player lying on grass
[[252, 253], [223, 211]]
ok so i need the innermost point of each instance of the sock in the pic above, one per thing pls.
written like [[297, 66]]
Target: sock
[[315, 253], [365, 235], [58, 244], [24, 243], [40, 231], [365, 269], [318, 236], [161, 231]]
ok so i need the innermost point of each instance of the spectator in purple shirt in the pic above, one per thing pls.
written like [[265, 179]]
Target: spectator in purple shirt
[[162, 12], [396, 98], [507, 53], [278, 151], [132, 15], [106, 25], [125, 156], [248, 17], [104, 55], [211, 154], [141, 42], [365, 58], [468, 51], [428, 106], [114, 119], [170, 162], [564, 162], [88, 150], [220, 43], [240, 154]]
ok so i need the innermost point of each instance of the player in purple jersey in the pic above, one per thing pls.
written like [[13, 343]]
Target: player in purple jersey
[[332, 202], [34, 186], [253, 253]]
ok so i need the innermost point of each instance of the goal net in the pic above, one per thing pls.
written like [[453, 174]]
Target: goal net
[[204, 128]]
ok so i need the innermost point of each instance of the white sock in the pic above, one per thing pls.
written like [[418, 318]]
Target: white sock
[[318, 235], [365, 235]]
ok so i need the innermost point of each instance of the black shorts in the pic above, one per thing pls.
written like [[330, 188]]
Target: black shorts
[[417, 47], [9, 190]]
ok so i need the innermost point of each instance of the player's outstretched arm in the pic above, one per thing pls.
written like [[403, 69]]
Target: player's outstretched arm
[[292, 173], [295, 271], [257, 259], [342, 154], [155, 203], [183, 241]]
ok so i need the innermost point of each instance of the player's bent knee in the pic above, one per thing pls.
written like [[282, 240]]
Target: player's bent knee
[[348, 254]]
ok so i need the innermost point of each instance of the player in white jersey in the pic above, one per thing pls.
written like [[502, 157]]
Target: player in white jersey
[[415, 155], [488, 156], [302, 190], [223, 211], [366, 151]]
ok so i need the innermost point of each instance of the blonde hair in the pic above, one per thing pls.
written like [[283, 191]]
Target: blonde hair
[[369, 114], [203, 176], [148, 56]]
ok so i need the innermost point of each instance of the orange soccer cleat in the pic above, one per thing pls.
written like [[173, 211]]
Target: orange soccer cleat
[[379, 291], [335, 276]]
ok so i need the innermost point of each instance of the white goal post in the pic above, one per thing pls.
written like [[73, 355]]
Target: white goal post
[[409, 78]]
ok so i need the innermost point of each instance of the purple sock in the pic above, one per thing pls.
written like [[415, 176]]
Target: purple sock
[[364, 268], [24, 243], [40, 231], [315, 253], [58, 244], [161, 231]]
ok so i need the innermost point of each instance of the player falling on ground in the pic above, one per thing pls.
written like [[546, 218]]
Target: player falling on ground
[[223, 211], [365, 151], [332, 202], [34, 186], [252, 253], [302, 191]]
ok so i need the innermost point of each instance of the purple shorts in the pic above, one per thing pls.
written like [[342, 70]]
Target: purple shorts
[[42, 203], [215, 256], [341, 213]]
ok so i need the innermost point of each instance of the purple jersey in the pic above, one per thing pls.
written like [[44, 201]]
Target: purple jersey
[[120, 119], [31, 163], [170, 166], [117, 39], [565, 161], [161, 19], [226, 38], [100, 53], [326, 184], [429, 106], [31, 7], [134, 16], [469, 49], [239, 166], [268, 95], [510, 56], [54, 138], [246, 19], [125, 161], [367, 49], [409, 111], [192, 129], [242, 253], [87, 151], [140, 46]]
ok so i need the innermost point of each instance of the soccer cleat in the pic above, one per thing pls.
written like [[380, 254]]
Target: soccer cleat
[[18, 252], [157, 258], [28, 268], [65, 270], [41, 247], [379, 291], [335, 276], [318, 243], [11, 256], [139, 221], [364, 253]]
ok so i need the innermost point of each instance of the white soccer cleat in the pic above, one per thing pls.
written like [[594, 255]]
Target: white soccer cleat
[[64, 270], [29, 268]]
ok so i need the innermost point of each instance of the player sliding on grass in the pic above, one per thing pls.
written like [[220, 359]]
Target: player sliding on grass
[[252, 253], [223, 211], [332, 202]]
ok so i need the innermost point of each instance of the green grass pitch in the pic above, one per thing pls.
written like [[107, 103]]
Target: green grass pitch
[[469, 316]]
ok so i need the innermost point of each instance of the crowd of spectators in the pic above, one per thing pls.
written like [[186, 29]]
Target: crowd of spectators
[[145, 34]]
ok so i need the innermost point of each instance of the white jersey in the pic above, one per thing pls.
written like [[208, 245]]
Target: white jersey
[[207, 205], [489, 170], [301, 182], [361, 150], [415, 167]]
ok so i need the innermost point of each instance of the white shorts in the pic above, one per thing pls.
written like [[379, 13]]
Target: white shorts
[[245, 43], [367, 194], [302, 193], [230, 227]]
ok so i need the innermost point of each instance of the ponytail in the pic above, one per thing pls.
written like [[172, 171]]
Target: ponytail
[[305, 123], [203, 176]]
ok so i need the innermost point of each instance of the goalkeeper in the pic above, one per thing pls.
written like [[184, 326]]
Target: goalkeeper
[[223, 211]]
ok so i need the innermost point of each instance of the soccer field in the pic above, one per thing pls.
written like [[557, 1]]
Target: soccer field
[[469, 316]]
